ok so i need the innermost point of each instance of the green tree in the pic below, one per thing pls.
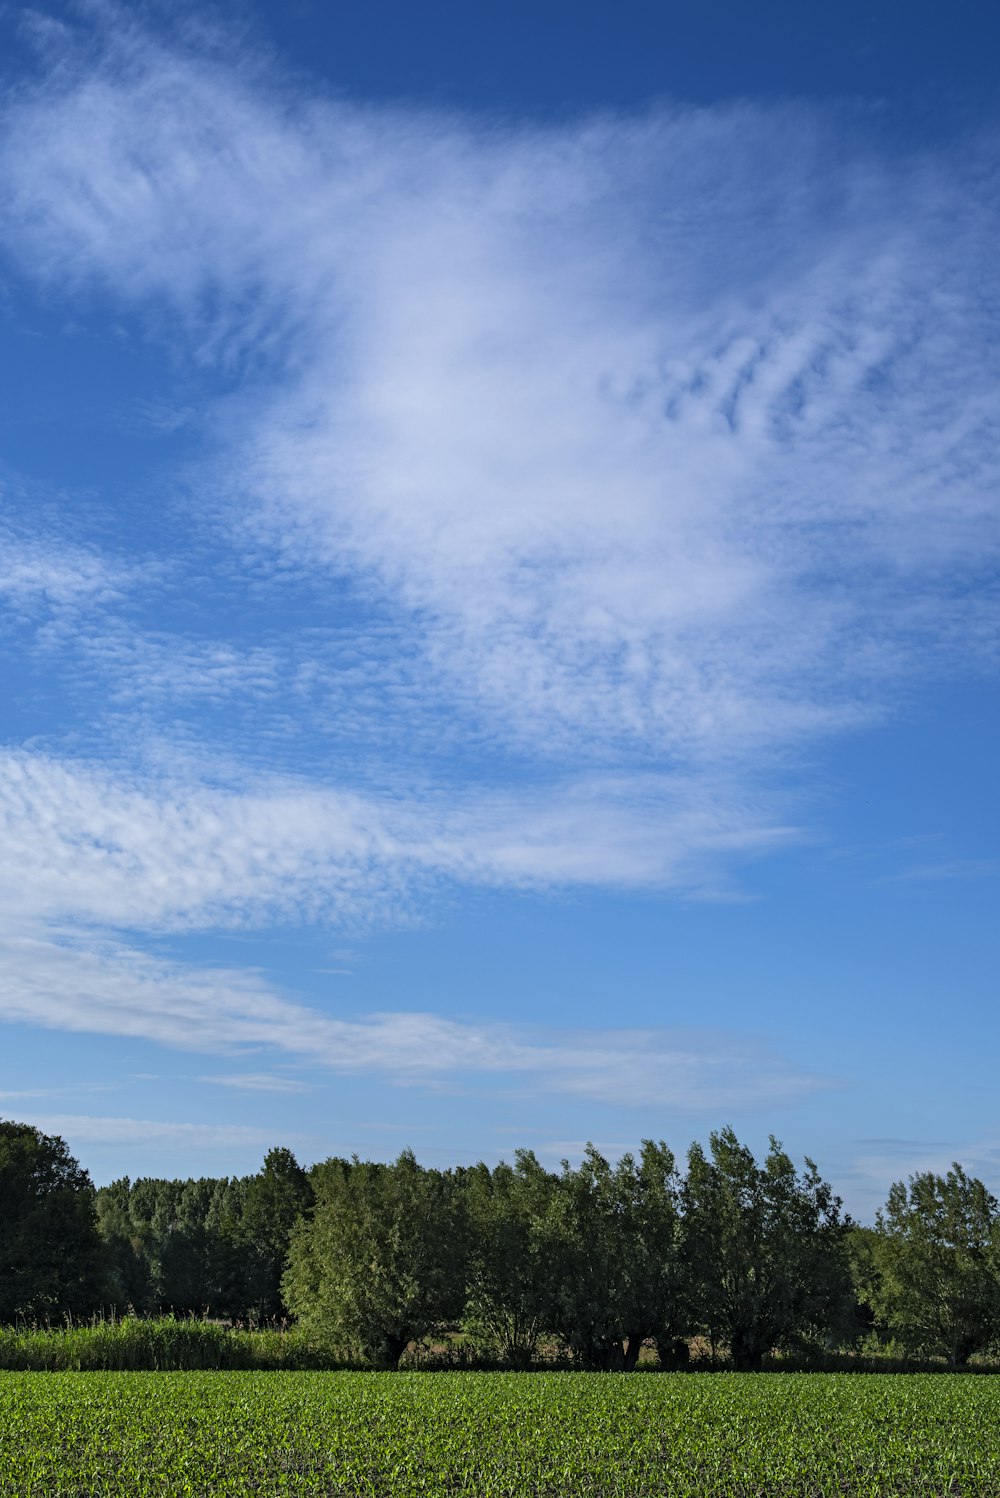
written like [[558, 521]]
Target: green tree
[[621, 1268], [128, 1269], [764, 1248], [935, 1256], [382, 1260], [514, 1260], [272, 1203], [51, 1256], [166, 1242], [215, 1244]]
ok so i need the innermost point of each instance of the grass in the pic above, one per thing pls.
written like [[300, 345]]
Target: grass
[[159, 1344], [188, 1344], [545, 1435]]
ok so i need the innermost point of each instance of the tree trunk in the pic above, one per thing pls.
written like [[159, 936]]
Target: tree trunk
[[633, 1347], [746, 1353], [390, 1350], [674, 1353]]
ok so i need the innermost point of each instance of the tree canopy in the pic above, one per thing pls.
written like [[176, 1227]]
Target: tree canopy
[[589, 1263], [383, 1258], [51, 1259], [764, 1248], [935, 1255]]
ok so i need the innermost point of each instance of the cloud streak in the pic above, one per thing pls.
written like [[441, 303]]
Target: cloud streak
[[90, 858], [646, 452], [257, 1082], [84, 845], [146, 1133], [111, 989]]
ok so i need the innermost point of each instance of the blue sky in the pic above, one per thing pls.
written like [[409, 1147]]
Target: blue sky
[[498, 581]]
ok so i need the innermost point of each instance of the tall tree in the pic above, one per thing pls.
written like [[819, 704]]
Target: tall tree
[[216, 1244], [167, 1243], [515, 1267], [764, 1247], [272, 1203], [936, 1257], [621, 1264], [51, 1256], [382, 1261], [128, 1268]]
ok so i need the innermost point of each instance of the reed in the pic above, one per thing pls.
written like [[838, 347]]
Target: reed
[[159, 1344]]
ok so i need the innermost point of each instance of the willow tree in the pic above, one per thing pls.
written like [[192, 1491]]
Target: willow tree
[[382, 1260], [764, 1248], [936, 1257]]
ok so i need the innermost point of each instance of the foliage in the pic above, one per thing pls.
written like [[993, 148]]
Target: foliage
[[497, 1435], [203, 1246], [933, 1276], [273, 1202], [514, 1265], [511, 1266], [764, 1249], [383, 1259], [50, 1252], [620, 1264], [158, 1344], [169, 1245]]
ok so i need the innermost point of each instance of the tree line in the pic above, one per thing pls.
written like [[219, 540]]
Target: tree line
[[595, 1260]]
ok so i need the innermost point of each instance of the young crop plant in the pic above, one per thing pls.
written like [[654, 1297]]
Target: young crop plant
[[510, 1435]]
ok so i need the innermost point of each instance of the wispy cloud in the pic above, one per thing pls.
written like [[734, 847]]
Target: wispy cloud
[[146, 1133], [90, 854], [85, 845], [257, 1082], [109, 988], [946, 869], [655, 448], [666, 437]]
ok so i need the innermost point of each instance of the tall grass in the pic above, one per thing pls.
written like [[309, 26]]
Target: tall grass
[[174, 1345], [163, 1343]]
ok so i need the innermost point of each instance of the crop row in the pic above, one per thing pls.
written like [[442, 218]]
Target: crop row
[[368, 1434]]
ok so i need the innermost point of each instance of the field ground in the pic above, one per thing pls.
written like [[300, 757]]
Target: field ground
[[372, 1435]]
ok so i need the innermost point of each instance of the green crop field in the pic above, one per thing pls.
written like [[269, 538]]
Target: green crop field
[[395, 1435]]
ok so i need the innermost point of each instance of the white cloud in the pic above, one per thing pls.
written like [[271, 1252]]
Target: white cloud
[[257, 1082], [151, 669], [107, 988], [47, 572], [674, 433], [123, 1133], [86, 854], [666, 444], [86, 846]]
